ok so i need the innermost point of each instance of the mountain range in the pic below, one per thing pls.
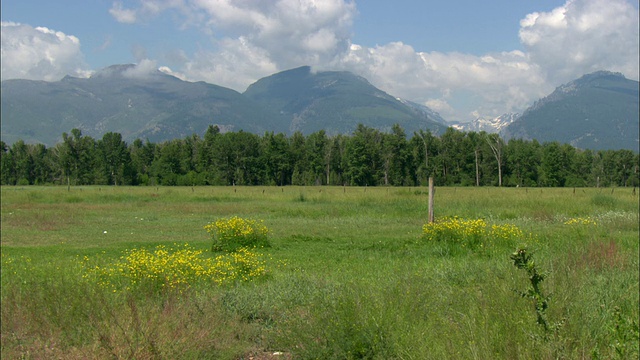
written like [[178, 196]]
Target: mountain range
[[597, 111], [158, 106]]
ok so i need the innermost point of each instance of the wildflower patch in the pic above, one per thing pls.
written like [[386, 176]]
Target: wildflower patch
[[473, 234], [178, 267], [232, 234]]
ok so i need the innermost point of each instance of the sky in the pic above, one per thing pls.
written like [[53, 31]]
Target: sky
[[463, 58]]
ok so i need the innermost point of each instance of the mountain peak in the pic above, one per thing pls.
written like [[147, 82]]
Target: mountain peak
[[143, 70], [113, 70], [600, 74], [303, 70], [594, 79]]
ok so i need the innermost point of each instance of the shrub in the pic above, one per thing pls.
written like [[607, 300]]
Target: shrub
[[232, 234]]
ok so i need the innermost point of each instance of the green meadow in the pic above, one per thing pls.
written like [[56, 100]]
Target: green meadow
[[350, 274]]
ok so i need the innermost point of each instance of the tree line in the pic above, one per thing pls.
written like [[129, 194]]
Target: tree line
[[367, 157]]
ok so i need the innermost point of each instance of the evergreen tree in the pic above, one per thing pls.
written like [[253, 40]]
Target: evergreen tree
[[299, 159], [142, 155], [7, 166], [22, 162], [43, 164], [552, 165], [276, 159], [116, 159], [206, 159], [395, 157], [318, 150], [363, 156], [522, 161]]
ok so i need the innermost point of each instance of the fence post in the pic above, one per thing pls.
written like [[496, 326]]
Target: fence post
[[432, 191]]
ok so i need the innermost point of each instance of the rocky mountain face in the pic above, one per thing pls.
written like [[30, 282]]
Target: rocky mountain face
[[597, 111]]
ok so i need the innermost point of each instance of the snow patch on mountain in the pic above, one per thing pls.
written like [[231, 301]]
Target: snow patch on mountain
[[495, 125]]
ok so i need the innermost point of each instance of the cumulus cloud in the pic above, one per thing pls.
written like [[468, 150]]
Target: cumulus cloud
[[39, 53], [141, 70], [583, 36], [237, 64], [259, 37], [121, 14], [454, 84], [146, 10], [439, 105]]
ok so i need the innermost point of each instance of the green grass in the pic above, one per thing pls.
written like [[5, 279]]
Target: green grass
[[349, 275]]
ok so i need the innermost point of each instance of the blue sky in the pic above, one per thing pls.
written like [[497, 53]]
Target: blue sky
[[467, 26], [464, 58]]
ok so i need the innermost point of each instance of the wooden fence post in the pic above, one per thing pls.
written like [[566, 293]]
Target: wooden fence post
[[432, 191]]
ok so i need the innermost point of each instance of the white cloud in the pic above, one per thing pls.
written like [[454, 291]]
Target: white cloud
[[260, 37], [147, 9], [583, 36], [167, 70], [439, 105], [142, 69], [39, 53], [123, 15], [454, 84], [236, 65]]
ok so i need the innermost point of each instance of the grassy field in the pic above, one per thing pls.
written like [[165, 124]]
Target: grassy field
[[349, 274]]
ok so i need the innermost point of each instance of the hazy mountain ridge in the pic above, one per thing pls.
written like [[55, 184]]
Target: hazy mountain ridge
[[426, 111], [157, 106], [597, 111]]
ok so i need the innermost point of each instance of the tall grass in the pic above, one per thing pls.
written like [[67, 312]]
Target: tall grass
[[350, 275]]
